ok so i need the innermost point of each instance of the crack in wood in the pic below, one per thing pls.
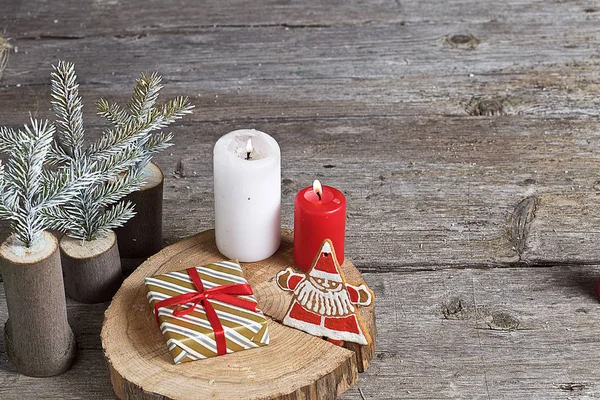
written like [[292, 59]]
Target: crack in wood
[[481, 349], [51, 37]]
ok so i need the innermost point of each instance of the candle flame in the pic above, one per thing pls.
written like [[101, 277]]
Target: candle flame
[[318, 188], [249, 148]]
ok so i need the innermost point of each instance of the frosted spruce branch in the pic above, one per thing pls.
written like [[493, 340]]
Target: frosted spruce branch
[[92, 211], [117, 157], [27, 190], [141, 122]]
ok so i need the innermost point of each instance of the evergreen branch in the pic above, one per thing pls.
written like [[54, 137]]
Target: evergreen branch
[[145, 95], [117, 188], [5, 212], [116, 163], [158, 142], [112, 164], [176, 109], [10, 203], [26, 227], [121, 137], [60, 187], [68, 107], [115, 217], [26, 188], [57, 155], [58, 218], [26, 165], [113, 112], [9, 139]]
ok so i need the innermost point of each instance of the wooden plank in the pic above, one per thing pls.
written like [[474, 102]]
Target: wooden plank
[[417, 68], [423, 193], [446, 197], [466, 333], [88, 379], [388, 70], [37, 17]]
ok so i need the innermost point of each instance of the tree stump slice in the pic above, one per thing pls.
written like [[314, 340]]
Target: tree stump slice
[[92, 269], [295, 365]]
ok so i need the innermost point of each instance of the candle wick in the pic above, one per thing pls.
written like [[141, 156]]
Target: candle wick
[[319, 194], [248, 155]]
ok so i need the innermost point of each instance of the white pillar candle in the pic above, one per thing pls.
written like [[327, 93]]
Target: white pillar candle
[[247, 195]]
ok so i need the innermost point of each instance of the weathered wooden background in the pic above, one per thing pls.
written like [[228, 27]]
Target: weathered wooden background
[[464, 134]]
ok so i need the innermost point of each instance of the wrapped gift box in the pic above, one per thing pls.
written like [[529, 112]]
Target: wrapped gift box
[[207, 311]]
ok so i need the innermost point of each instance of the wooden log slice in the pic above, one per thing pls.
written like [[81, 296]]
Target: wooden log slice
[[37, 336], [295, 365], [141, 236], [92, 269]]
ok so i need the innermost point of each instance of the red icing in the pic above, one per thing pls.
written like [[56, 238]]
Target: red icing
[[293, 281], [299, 313], [344, 324], [353, 293], [326, 264]]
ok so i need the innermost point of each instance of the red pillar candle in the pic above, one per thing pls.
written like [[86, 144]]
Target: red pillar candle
[[319, 214]]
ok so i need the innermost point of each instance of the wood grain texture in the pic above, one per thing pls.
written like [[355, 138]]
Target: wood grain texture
[[141, 236], [462, 133], [295, 365], [416, 201], [92, 269], [38, 339], [527, 332]]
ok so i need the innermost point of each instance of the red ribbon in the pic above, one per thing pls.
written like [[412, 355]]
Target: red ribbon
[[225, 293]]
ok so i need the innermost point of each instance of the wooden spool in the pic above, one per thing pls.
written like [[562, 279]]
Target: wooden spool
[[295, 365], [92, 270], [37, 335], [141, 236]]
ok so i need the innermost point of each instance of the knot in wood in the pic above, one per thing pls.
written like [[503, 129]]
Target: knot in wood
[[465, 41], [460, 39], [488, 107], [503, 321], [571, 387], [453, 308]]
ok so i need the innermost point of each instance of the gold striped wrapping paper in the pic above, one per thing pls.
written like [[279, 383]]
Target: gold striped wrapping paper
[[190, 337]]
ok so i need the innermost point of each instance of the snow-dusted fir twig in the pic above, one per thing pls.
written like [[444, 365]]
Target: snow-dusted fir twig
[[88, 214], [118, 156], [141, 122], [26, 188]]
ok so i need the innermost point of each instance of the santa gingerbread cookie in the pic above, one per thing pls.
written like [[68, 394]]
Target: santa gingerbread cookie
[[324, 304]]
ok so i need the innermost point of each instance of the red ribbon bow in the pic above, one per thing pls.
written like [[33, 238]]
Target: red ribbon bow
[[225, 293]]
